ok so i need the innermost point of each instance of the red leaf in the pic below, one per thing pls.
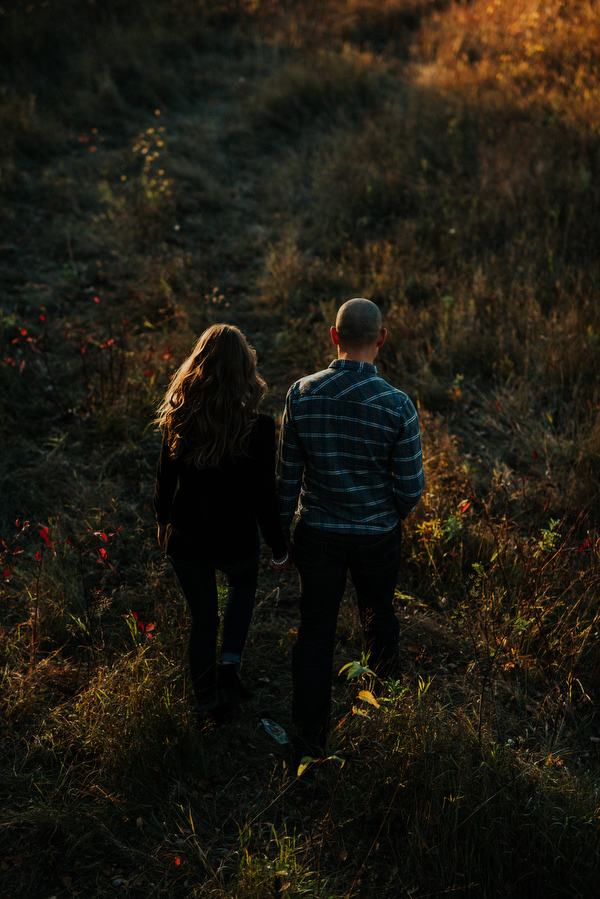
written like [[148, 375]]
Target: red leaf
[[45, 535], [38, 556], [102, 554], [8, 572], [145, 628]]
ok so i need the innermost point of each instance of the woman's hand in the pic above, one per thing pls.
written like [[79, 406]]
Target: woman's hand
[[162, 535], [284, 564]]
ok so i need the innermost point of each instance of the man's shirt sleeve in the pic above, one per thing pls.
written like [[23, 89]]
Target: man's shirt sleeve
[[407, 463], [290, 465]]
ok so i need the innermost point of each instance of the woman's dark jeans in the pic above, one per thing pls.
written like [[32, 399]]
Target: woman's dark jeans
[[323, 560], [199, 586]]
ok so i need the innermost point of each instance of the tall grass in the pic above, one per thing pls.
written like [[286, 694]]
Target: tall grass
[[260, 163]]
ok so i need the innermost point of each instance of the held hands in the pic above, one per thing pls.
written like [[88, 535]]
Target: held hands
[[284, 564]]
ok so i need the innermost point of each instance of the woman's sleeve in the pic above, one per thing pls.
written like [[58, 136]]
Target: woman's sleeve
[[265, 500], [165, 484]]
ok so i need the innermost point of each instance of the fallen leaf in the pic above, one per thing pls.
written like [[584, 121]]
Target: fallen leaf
[[367, 696]]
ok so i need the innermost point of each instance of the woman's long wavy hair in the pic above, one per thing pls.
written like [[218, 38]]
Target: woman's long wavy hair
[[213, 399]]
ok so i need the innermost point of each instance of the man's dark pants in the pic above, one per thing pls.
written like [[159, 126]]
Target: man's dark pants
[[323, 560]]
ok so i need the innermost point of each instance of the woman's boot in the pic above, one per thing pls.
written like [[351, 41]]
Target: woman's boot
[[230, 689]]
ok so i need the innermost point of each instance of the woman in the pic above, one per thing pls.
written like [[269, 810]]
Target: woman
[[215, 482]]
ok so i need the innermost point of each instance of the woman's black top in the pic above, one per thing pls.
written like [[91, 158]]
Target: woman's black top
[[214, 512]]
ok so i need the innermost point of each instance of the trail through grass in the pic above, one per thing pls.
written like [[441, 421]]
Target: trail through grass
[[183, 163]]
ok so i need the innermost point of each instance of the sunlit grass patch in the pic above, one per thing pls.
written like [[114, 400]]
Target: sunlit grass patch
[[541, 60], [302, 163]]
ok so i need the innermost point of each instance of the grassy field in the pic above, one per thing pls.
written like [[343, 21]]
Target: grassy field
[[166, 166]]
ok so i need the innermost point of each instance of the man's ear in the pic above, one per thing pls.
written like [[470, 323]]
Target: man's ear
[[382, 337], [334, 336]]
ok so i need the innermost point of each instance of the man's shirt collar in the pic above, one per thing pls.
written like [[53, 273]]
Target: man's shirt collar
[[353, 365]]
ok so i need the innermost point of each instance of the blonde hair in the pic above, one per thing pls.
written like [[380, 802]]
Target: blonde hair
[[213, 399]]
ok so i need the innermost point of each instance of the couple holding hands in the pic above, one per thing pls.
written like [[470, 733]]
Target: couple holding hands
[[349, 469]]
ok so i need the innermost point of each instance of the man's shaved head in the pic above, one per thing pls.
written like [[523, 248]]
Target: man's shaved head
[[358, 323]]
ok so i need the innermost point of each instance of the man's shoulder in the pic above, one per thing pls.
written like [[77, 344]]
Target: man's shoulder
[[310, 383], [361, 385], [386, 390]]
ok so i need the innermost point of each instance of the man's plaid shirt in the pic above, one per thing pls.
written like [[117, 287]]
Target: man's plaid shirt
[[350, 449]]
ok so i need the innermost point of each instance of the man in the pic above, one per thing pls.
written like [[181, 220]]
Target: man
[[350, 464]]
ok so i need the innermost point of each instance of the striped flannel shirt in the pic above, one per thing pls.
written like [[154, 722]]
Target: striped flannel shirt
[[350, 452]]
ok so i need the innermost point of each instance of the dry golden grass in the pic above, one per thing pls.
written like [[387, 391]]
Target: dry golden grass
[[535, 59], [440, 158]]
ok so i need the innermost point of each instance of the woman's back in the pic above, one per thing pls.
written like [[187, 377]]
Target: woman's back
[[214, 510]]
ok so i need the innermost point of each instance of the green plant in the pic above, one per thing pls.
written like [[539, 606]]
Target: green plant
[[441, 159]]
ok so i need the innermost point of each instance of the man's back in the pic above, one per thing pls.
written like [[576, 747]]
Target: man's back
[[356, 440]]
